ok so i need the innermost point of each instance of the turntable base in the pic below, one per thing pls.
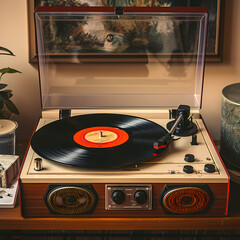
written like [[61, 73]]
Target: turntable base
[[11, 219], [157, 188]]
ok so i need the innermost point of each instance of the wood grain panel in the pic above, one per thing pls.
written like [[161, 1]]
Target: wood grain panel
[[12, 219], [33, 204]]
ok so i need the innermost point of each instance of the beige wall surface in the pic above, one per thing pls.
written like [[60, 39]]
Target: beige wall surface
[[25, 86], [14, 36]]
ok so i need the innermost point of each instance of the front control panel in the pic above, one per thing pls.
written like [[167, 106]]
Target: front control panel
[[128, 197]]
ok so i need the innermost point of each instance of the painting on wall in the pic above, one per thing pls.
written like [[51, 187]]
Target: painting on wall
[[128, 38]]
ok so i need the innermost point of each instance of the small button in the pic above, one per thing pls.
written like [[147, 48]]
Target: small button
[[189, 158], [188, 169], [209, 168]]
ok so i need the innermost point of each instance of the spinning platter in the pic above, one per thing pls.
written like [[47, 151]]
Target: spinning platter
[[98, 140]]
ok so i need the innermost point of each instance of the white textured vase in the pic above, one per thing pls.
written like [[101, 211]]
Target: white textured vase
[[230, 126], [7, 136]]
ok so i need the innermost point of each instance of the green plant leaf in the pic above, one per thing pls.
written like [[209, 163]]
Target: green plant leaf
[[2, 86], [8, 70], [6, 94], [5, 51], [11, 106], [1, 103]]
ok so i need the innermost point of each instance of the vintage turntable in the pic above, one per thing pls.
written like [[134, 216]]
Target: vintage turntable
[[110, 153]]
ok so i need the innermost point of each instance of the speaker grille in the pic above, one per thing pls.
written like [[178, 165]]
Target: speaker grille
[[70, 200], [185, 200]]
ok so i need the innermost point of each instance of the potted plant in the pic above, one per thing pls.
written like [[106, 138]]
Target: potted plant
[[7, 107]]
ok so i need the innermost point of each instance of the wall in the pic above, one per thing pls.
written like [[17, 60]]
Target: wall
[[217, 76], [14, 35]]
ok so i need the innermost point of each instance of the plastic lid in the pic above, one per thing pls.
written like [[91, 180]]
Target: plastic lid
[[146, 57], [232, 92], [7, 126]]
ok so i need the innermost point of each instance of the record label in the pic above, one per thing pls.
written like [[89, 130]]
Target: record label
[[100, 137]]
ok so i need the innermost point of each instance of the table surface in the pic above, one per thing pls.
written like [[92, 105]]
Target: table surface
[[12, 219]]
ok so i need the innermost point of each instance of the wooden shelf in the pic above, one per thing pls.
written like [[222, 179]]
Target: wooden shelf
[[12, 219]]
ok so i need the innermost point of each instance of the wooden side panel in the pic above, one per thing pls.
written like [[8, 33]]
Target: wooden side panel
[[33, 204]]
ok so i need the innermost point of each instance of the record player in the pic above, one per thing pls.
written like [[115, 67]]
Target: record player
[[121, 134]]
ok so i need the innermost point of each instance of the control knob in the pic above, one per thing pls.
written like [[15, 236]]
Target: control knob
[[118, 196], [140, 197], [188, 169], [189, 158], [209, 168]]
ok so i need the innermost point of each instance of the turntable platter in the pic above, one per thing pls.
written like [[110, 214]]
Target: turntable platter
[[98, 140]]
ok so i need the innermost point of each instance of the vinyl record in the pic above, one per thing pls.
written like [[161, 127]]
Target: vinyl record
[[98, 140]]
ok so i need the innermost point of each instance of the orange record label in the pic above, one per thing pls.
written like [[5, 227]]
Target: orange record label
[[100, 137]]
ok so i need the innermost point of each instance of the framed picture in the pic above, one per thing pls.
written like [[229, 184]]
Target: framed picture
[[215, 25]]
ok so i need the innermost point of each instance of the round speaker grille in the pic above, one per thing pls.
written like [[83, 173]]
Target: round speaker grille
[[70, 200], [185, 200]]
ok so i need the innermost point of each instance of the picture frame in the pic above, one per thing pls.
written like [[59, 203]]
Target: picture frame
[[214, 52]]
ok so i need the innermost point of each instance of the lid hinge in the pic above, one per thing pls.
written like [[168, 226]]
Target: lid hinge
[[64, 113], [119, 10]]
